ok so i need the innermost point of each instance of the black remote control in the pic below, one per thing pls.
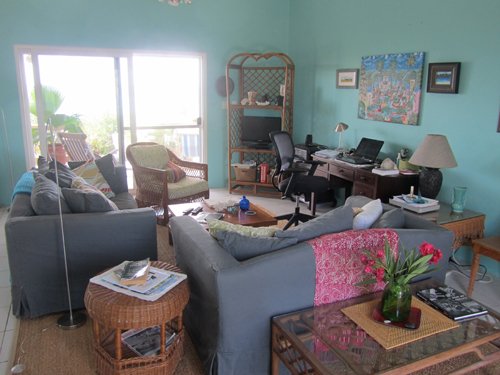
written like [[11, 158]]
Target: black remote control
[[187, 211], [197, 210]]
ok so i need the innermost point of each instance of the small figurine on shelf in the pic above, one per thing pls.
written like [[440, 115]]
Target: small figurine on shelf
[[244, 204]]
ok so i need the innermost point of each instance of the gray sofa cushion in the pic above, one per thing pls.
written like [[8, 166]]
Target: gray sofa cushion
[[45, 197], [64, 174], [115, 178], [391, 219], [87, 200], [336, 220], [243, 247]]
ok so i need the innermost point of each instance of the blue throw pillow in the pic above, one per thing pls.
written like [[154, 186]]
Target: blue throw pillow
[[24, 185]]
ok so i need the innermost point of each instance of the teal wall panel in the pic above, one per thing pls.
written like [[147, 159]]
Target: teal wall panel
[[218, 28], [327, 35]]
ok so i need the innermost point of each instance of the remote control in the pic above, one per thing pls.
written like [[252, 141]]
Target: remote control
[[187, 211], [197, 210]]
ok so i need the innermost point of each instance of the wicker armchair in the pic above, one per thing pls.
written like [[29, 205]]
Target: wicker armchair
[[155, 187]]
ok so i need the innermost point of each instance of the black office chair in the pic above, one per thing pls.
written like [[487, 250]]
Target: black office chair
[[293, 177]]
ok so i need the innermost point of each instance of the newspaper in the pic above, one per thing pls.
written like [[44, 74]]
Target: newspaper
[[158, 283], [146, 341]]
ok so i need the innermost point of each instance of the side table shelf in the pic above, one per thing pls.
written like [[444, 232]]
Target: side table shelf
[[112, 313]]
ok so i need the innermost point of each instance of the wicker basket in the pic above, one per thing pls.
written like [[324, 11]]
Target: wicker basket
[[245, 174]]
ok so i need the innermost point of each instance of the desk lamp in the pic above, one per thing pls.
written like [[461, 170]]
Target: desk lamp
[[433, 153], [340, 128]]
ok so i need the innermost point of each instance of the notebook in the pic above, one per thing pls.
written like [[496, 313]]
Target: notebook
[[366, 152]]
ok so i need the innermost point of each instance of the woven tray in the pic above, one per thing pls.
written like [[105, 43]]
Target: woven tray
[[432, 322]]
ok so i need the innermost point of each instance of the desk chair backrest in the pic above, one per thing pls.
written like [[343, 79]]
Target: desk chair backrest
[[285, 150]]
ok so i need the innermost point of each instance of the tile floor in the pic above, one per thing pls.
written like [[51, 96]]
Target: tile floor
[[486, 292]]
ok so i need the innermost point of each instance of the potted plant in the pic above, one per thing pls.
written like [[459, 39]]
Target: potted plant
[[53, 100]]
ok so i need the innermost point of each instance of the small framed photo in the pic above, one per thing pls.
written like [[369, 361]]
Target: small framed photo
[[347, 78], [443, 78]]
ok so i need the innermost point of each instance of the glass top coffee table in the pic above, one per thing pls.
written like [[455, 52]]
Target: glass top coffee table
[[322, 340]]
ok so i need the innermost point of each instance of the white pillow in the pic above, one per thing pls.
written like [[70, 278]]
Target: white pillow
[[371, 212]]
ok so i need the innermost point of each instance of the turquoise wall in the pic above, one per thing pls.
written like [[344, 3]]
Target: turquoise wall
[[333, 34], [219, 28], [320, 36]]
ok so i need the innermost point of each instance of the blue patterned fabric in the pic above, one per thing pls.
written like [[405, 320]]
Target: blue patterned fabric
[[25, 184]]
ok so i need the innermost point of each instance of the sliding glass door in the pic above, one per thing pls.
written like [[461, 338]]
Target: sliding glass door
[[115, 97]]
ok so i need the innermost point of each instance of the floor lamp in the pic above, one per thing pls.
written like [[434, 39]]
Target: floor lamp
[[69, 320]]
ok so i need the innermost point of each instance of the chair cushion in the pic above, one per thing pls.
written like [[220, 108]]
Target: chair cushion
[[305, 184], [150, 156], [369, 214], [186, 187], [336, 220]]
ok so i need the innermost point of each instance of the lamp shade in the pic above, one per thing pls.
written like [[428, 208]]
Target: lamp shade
[[434, 152], [341, 127]]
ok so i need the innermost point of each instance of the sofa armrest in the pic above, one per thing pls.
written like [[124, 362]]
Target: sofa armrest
[[94, 242]]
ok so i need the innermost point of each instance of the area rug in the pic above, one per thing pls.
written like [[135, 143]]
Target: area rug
[[45, 349]]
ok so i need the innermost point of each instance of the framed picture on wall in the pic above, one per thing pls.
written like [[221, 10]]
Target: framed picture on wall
[[347, 78], [443, 78]]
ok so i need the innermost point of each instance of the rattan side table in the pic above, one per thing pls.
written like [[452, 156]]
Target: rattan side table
[[112, 313]]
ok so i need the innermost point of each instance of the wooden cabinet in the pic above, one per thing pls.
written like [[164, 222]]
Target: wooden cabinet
[[361, 181], [271, 76]]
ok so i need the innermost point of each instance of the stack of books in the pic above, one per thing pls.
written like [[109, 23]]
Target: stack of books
[[452, 303], [415, 203]]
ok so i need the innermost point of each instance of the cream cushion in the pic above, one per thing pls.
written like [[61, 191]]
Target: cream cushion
[[186, 187], [369, 214]]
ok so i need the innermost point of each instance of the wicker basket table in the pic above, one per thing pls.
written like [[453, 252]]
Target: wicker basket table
[[112, 313]]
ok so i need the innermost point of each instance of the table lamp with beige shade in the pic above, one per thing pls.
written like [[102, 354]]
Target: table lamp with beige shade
[[432, 154]]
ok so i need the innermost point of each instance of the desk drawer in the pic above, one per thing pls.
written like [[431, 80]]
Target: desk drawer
[[365, 177], [344, 173], [364, 189]]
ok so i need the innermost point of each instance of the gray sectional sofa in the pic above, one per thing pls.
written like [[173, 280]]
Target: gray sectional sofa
[[94, 241], [231, 304]]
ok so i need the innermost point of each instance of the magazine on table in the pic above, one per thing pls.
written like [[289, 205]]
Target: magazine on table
[[158, 283], [133, 272], [146, 341], [452, 303]]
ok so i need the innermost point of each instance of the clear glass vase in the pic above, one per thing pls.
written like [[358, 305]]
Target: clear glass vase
[[396, 302]]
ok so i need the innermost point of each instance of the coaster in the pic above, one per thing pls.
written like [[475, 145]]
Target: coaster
[[413, 321]]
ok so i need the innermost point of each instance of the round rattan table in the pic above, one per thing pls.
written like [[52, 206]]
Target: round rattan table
[[113, 312]]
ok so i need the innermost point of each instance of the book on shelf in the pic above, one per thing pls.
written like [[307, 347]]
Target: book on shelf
[[452, 303], [412, 204], [158, 283], [146, 341], [385, 172], [134, 272]]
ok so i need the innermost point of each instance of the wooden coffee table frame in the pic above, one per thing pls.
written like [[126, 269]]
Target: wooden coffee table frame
[[260, 219], [113, 312], [288, 346]]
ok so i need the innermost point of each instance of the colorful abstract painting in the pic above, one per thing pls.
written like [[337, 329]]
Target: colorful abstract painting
[[390, 87]]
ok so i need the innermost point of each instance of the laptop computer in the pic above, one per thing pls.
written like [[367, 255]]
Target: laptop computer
[[366, 152]]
